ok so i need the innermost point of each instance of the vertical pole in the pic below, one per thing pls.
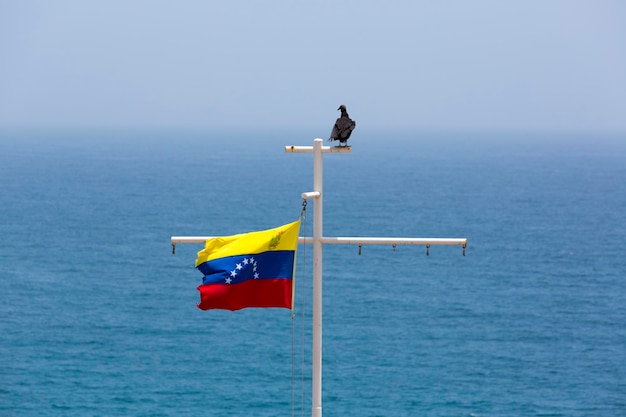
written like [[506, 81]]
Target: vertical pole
[[317, 281]]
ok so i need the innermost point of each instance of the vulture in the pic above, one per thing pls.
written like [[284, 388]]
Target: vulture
[[343, 127]]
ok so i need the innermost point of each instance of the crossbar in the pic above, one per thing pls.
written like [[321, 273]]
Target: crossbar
[[354, 240]]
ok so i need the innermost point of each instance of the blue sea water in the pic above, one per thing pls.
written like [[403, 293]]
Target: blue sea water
[[98, 318]]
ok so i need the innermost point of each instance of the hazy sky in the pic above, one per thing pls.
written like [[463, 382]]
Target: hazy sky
[[444, 65]]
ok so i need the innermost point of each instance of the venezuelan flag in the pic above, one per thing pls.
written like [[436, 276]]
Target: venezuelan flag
[[253, 269]]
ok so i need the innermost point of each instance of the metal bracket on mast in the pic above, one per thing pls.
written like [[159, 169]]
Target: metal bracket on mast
[[311, 194], [317, 241]]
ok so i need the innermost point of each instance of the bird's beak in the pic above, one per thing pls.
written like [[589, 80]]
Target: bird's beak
[[339, 108]]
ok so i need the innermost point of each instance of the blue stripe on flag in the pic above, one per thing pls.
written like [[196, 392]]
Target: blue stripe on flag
[[240, 268]]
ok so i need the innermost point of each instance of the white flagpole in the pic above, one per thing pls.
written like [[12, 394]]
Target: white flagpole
[[318, 240], [316, 395]]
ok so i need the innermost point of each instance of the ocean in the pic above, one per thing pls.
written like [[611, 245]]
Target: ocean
[[99, 318]]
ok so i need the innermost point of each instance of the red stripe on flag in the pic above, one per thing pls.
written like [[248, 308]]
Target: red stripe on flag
[[252, 293]]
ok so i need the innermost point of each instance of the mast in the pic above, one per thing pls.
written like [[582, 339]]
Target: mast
[[316, 396], [318, 240]]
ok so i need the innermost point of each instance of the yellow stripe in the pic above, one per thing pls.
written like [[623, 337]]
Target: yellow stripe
[[280, 238]]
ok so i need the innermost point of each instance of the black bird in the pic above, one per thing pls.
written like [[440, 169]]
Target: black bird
[[343, 127]]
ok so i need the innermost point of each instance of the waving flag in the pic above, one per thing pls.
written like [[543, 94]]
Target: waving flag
[[249, 270]]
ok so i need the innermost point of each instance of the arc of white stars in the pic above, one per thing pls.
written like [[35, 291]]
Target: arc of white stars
[[239, 267]]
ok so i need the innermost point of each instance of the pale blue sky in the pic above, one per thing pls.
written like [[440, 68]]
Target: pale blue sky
[[435, 65]]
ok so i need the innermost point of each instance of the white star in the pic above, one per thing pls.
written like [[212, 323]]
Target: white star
[[228, 280], [245, 261], [239, 266], [256, 275], [233, 273], [252, 260]]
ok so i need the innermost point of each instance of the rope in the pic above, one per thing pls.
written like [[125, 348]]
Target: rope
[[293, 331], [293, 366], [303, 216]]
